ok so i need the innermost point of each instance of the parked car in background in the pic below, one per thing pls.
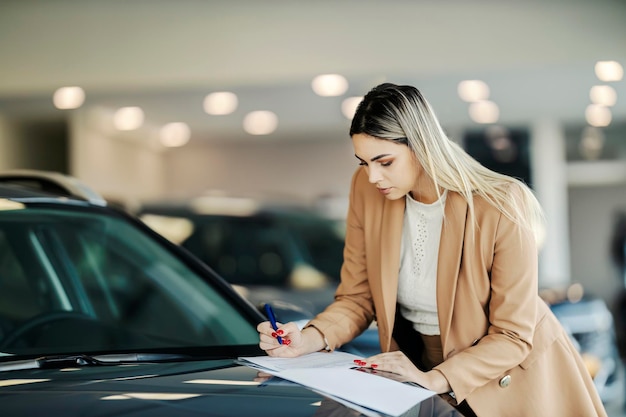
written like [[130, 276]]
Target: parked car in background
[[271, 250], [284, 252], [591, 326], [101, 316]]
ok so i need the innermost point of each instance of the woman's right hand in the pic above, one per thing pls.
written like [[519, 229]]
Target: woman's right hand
[[295, 341]]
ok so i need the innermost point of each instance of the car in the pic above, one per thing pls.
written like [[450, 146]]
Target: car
[[591, 327], [100, 315], [268, 249]]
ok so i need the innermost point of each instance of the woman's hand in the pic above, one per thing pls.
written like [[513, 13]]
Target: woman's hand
[[398, 363], [295, 342]]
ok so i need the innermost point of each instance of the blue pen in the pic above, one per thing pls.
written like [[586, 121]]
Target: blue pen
[[270, 315]]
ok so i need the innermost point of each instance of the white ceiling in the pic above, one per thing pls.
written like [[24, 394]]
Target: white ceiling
[[537, 57]]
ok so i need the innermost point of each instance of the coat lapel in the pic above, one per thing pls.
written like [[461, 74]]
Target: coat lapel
[[450, 252], [390, 238]]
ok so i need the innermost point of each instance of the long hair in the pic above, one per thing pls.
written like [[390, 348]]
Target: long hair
[[400, 113]]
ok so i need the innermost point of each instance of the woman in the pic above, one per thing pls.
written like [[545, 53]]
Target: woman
[[442, 253]]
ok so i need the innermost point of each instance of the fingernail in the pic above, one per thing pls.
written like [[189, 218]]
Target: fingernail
[[357, 361], [279, 332], [274, 334], [286, 342], [374, 365]]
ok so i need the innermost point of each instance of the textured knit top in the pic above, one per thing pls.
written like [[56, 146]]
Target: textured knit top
[[417, 283]]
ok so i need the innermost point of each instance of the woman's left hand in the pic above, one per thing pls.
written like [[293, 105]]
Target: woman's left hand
[[398, 363]]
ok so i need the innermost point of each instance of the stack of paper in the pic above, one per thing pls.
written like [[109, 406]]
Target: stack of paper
[[335, 375]]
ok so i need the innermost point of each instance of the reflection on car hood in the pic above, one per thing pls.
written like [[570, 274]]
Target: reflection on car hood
[[216, 388]]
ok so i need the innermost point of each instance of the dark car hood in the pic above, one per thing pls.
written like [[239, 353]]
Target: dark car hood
[[198, 388]]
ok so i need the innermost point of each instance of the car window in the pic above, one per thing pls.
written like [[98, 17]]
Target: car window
[[322, 241], [95, 281], [245, 251], [283, 249]]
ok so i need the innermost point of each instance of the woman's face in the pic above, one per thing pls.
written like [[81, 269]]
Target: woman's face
[[390, 166]]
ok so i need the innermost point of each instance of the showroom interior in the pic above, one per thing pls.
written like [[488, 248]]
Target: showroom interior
[[122, 96]]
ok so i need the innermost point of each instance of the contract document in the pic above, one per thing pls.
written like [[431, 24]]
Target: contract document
[[334, 374]]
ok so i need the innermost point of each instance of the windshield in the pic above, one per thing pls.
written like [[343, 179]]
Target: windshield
[[83, 280]]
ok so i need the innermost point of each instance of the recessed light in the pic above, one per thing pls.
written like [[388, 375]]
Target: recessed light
[[175, 134], [473, 90], [329, 85], [261, 122], [68, 98], [609, 70], [349, 105], [128, 118], [220, 103]]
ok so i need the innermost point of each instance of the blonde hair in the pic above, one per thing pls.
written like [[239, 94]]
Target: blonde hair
[[401, 114]]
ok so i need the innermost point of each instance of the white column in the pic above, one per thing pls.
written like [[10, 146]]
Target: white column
[[122, 166], [549, 178]]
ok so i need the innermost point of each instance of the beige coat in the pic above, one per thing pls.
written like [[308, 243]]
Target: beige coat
[[505, 352]]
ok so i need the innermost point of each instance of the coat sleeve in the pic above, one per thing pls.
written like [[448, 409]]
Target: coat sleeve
[[352, 311], [511, 310]]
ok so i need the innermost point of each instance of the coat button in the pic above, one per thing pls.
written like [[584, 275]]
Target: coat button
[[505, 381]]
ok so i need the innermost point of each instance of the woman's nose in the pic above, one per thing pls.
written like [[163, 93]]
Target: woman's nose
[[374, 175]]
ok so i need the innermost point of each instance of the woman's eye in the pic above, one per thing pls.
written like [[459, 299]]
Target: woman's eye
[[386, 164], [362, 163]]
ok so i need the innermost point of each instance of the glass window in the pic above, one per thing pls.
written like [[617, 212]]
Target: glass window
[[118, 281]]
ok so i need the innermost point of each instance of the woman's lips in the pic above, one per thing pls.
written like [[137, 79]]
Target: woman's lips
[[384, 191]]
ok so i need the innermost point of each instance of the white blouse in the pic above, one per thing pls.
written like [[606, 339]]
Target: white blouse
[[417, 283]]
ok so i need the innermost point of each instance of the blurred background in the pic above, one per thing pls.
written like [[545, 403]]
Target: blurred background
[[161, 101]]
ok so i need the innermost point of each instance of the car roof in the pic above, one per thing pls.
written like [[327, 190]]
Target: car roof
[[226, 206], [46, 185]]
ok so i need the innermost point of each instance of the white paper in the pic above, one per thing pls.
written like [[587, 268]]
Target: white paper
[[312, 360], [362, 410], [333, 374], [365, 389]]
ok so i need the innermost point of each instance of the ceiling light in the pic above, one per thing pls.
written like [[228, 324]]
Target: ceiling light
[[598, 116], [260, 122], [68, 98], [128, 118], [220, 103], [609, 70], [484, 111], [349, 105], [603, 95], [175, 134], [329, 85], [473, 90]]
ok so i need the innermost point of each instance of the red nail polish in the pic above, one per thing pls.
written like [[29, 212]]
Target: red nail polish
[[286, 342], [279, 332], [374, 365], [357, 361], [274, 334]]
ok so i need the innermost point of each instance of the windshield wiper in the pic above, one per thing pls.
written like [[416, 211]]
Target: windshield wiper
[[66, 361]]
